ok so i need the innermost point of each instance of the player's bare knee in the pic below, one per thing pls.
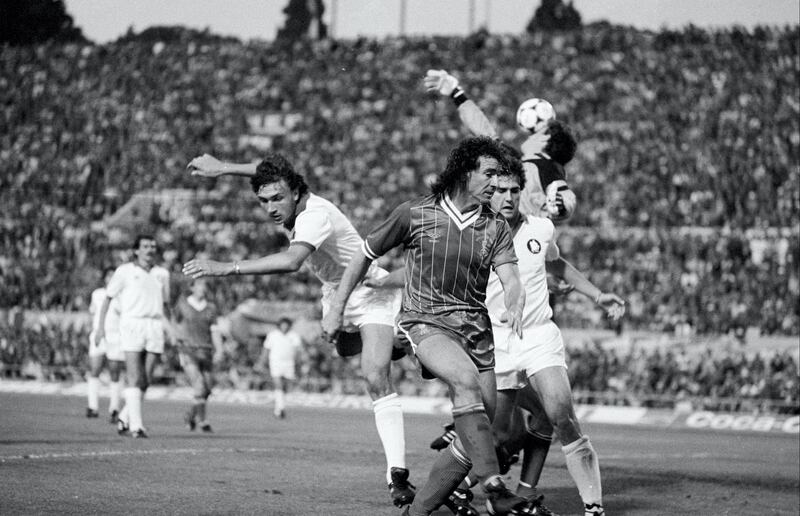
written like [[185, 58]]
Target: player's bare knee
[[377, 383]]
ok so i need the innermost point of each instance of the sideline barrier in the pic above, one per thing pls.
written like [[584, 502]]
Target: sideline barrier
[[631, 416]]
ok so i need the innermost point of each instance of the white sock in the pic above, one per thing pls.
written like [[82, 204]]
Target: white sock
[[280, 401], [123, 415], [133, 403], [389, 422], [93, 392], [584, 467], [114, 394]]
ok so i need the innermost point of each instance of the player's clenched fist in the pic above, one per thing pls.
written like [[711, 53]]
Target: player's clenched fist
[[206, 166], [440, 81]]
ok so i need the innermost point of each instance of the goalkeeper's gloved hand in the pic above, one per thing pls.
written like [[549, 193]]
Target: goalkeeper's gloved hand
[[440, 81], [534, 144]]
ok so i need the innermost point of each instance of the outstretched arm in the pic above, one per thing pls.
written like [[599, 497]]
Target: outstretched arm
[[470, 114], [352, 275], [612, 304], [209, 166], [288, 260]]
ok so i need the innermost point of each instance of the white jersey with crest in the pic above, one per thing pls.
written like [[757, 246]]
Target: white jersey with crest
[[140, 293], [332, 237], [534, 245]]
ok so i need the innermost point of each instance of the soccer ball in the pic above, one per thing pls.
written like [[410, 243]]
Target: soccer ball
[[533, 114]]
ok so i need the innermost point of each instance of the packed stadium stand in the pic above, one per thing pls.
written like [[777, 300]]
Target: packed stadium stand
[[686, 175]]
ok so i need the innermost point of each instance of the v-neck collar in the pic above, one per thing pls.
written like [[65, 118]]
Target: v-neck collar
[[462, 220]]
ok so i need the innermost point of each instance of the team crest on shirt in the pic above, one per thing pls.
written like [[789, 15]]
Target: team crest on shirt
[[534, 246], [433, 235]]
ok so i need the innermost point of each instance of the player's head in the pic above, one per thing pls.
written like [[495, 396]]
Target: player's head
[[510, 182], [562, 144], [279, 188], [472, 167], [284, 324], [145, 248]]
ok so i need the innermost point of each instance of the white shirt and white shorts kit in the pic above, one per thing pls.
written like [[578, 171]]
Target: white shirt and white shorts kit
[[110, 346], [283, 349], [141, 296], [333, 241], [541, 345]]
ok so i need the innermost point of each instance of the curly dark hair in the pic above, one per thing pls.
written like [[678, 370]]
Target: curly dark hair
[[562, 145], [272, 169], [463, 159]]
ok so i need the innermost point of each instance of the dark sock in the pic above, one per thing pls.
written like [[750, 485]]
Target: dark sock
[[475, 433], [446, 474]]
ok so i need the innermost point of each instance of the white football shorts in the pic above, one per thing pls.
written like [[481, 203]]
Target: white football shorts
[[141, 334], [517, 359], [110, 347], [366, 306], [282, 369]]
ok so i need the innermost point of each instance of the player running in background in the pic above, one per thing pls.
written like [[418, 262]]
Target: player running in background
[[453, 240], [281, 347], [142, 290], [195, 316], [544, 153], [324, 239], [100, 351]]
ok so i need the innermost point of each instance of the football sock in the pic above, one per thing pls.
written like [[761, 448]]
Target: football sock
[[535, 449], [389, 422], [114, 394], [133, 402], [525, 490], [475, 434], [123, 414], [93, 392], [280, 401], [200, 410], [584, 467], [446, 474]]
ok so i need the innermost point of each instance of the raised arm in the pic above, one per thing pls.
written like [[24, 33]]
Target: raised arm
[[209, 166], [288, 260], [470, 114], [612, 304]]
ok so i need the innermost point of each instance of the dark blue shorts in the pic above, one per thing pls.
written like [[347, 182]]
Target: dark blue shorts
[[473, 330]]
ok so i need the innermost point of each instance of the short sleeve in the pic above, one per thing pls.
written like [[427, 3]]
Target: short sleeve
[[116, 283], [312, 227], [390, 233], [504, 245]]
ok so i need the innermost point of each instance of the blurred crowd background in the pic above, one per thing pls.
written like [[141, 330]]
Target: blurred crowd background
[[686, 175]]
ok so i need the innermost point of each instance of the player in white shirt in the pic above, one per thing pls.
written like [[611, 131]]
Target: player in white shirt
[[142, 291], [322, 238], [281, 347], [101, 351]]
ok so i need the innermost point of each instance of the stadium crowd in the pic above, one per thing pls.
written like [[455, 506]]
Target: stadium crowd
[[685, 171]]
